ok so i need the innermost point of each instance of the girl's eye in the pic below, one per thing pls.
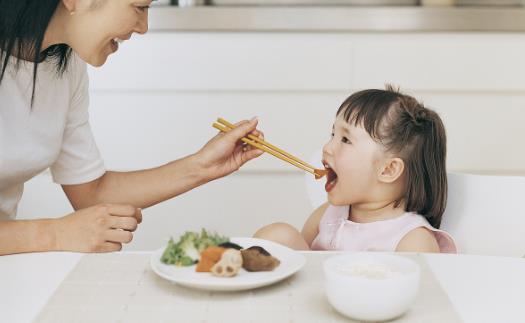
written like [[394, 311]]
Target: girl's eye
[[332, 135], [345, 140], [142, 8]]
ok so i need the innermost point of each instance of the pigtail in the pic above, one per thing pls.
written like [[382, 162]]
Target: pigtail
[[434, 163], [426, 180]]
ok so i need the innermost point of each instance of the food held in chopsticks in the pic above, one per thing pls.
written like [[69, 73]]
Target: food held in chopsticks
[[265, 146], [258, 259]]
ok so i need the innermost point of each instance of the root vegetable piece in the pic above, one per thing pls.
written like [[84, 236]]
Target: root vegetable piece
[[229, 265], [209, 257], [258, 259]]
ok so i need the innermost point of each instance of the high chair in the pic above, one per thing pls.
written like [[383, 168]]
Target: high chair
[[485, 214]]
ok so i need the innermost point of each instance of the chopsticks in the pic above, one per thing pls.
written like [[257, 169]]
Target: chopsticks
[[265, 146]]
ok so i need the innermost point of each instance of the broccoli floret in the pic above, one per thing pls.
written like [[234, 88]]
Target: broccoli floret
[[172, 253], [187, 245], [185, 261], [207, 240], [186, 251]]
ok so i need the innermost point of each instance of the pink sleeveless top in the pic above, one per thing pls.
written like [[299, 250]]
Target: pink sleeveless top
[[336, 232]]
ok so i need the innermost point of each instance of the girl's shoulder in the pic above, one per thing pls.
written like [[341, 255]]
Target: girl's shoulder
[[412, 223]]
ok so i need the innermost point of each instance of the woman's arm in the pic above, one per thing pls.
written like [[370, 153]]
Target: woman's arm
[[221, 156], [26, 236], [101, 228], [311, 226], [139, 188]]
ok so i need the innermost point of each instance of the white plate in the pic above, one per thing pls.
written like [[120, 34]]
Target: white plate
[[291, 262]]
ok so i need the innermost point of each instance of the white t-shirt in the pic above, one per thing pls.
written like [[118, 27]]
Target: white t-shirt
[[54, 133]]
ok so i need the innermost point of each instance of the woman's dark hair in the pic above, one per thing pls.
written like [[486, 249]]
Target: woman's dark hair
[[23, 24], [406, 128]]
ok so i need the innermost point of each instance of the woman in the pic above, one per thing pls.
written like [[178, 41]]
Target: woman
[[44, 45]]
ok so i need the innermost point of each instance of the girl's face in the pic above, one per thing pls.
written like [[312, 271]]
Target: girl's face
[[352, 158], [97, 26]]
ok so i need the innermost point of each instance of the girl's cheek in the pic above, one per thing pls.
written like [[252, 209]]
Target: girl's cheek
[[345, 160]]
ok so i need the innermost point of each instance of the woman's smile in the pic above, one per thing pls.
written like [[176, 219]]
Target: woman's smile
[[115, 42]]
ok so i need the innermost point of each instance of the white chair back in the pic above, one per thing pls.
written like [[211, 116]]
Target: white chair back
[[485, 214]]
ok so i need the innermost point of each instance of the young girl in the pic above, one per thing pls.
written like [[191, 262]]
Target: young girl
[[386, 182]]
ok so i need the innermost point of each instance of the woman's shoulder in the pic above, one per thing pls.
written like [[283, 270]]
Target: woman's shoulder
[[76, 76], [76, 67]]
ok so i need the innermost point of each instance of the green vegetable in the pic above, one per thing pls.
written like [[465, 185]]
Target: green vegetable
[[186, 251]]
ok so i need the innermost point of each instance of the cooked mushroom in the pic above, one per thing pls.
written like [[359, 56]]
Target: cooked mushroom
[[229, 265], [230, 245], [258, 259]]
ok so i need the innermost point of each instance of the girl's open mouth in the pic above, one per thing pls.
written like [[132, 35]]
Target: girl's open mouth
[[331, 178]]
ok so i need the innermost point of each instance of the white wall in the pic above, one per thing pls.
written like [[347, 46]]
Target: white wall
[[156, 99], [295, 82]]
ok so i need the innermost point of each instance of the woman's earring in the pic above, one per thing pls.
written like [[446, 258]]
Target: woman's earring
[[72, 13]]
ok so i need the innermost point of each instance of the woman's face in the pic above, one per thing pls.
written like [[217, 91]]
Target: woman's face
[[97, 26], [352, 158]]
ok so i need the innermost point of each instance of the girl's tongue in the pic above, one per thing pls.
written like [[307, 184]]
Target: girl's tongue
[[331, 180]]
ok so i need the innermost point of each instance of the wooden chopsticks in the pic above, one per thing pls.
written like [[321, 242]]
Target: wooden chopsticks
[[259, 143]]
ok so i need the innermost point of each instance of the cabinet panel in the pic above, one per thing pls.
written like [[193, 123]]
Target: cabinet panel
[[136, 130], [207, 62], [438, 62]]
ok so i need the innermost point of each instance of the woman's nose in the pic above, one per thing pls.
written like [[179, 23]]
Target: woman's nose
[[142, 25]]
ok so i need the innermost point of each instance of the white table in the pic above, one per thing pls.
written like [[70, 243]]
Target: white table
[[482, 288]]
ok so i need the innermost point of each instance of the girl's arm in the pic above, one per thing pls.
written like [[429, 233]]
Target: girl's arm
[[418, 240], [287, 235], [311, 226]]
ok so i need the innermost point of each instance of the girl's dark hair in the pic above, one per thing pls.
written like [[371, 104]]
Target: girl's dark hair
[[406, 128], [23, 24]]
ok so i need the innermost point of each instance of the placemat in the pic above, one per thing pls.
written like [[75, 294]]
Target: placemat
[[121, 287]]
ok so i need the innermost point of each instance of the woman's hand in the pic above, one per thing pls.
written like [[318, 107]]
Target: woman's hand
[[226, 153], [100, 228]]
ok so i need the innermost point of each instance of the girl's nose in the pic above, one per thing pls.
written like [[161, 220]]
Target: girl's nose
[[327, 148]]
